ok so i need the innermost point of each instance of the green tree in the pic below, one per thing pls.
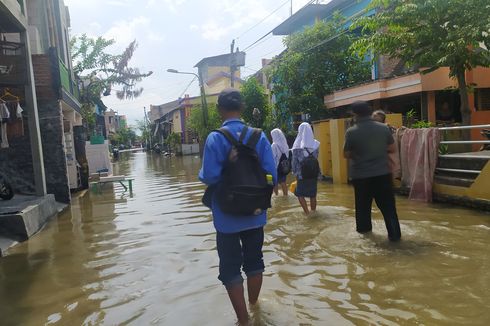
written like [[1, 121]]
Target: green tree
[[124, 136], [100, 71], [254, 97], [173, 141], [316, 63], [196, 123], [431, 34], [145, 130]]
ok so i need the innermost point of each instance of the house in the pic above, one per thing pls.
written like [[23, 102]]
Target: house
[[21, 161], [216, 75], [394, 88], [113, 122], [56, 94], [215, 71], [172, 117]]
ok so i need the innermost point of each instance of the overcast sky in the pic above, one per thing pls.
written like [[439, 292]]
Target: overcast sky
[[177, 34]]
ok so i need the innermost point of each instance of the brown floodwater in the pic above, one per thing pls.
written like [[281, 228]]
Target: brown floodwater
[[151, 260]]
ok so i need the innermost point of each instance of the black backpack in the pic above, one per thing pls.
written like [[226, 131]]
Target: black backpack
[[243, 190], [284, 167], [310, 168]]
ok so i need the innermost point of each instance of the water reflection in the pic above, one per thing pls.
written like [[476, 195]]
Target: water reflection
[[151, 259]]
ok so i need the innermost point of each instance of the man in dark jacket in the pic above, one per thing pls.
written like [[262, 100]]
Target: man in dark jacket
[[367, 145]]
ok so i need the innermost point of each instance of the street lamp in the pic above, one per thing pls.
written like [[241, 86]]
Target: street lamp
[[203, 94]]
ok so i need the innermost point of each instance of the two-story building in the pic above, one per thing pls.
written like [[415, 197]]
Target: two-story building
[[172, 117], [56, 95], [216, 74], [394, 88], [21, 150], [216, 71], [113, 122]]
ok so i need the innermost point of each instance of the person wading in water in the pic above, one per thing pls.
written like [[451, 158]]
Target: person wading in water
[[281, 152], [240, 172], [367, 145], [306, 167]]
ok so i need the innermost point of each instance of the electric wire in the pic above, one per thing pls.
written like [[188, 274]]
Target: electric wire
[[264, 19], [264, 36]]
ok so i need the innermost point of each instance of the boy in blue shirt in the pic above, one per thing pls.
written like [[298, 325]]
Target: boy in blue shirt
[[239, 239]]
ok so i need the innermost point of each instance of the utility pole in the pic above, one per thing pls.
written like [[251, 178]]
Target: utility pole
[[204, 102], [147, 128], [232, 64]]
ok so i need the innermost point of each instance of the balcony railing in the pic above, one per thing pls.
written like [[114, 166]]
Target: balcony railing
[[67, 83]]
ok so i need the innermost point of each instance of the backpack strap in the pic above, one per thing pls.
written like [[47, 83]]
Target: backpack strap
[[243, 134], [254, 137], [227, 134]]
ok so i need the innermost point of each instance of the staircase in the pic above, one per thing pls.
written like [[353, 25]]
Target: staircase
[[460, 169]]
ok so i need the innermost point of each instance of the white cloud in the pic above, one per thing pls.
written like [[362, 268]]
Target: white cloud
[[124, 31], [156, 37], [119, 3], [243, 14], [170, 4], [212, 31]]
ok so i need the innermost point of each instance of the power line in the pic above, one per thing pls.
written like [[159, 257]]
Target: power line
[[264, 19], [261, 40], [185, 90], [264, 36]]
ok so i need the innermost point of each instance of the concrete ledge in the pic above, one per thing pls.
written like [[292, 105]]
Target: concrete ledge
[[452, 195], [23, 216]]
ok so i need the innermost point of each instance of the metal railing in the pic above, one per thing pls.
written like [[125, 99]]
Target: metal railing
[[452, 142], [67, 82], [467, 155]]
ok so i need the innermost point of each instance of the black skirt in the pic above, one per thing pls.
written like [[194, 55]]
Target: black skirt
[[306, 188]]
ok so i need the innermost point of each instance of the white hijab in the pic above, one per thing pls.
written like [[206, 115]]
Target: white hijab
[[280, 141], [306, 139]]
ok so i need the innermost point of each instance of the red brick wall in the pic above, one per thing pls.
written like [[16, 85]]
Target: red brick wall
[[387, 67], [45, 78]]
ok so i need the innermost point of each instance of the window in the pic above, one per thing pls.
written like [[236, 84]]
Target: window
[[482, 99]]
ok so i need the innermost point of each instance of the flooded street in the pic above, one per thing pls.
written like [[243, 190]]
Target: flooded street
[[115, 260]]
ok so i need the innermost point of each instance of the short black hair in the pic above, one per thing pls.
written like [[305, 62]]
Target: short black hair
[[230, 99], [361, 108]]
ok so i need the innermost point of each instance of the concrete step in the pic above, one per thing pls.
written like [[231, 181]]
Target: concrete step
[[23, 216], [453, 181], [462, 162]]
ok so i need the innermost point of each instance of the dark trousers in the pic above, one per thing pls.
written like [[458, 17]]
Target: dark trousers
[[381, 189], [240, 249]]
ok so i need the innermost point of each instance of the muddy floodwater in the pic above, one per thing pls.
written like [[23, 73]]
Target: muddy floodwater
[[150, 260]]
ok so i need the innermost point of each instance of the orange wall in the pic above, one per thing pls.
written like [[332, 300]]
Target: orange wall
[[479, 118], [479, 76], [408, 84]]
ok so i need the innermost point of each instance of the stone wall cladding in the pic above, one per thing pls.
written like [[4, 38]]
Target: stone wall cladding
[[51, 125], [16, 163], [46, 75]]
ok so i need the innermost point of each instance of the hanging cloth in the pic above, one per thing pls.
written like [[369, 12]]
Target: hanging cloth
[[19, 111], [4, 116], [4, 112]]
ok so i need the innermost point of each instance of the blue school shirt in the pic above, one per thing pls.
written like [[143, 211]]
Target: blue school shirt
[[216, 153]]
